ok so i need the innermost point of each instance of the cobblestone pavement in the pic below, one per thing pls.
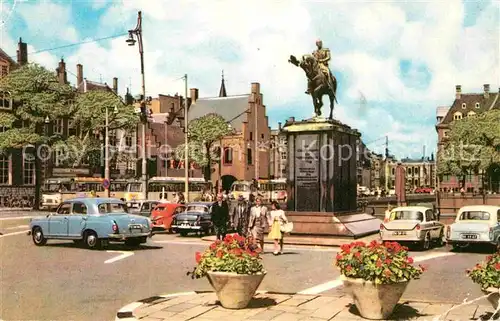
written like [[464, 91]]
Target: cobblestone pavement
[[287, 307]]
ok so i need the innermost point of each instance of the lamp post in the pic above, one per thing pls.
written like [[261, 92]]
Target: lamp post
[[186, 137], [106, 147], [137, 32]]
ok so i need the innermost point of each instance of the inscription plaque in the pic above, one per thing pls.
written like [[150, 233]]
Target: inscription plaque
[[307, 173]]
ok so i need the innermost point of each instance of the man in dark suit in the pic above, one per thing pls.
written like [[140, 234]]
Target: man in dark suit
[[220, 217], [240, 215]]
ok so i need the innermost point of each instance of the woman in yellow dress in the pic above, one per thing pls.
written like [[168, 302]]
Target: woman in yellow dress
[[276, 219]]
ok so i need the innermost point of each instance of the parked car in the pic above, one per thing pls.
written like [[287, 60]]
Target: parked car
[[143, 208], [93, 222], [197, 218], [413, 224], [475, 224], [424, 190], [163, 214]]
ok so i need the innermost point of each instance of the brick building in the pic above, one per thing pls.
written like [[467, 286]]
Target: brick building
[[278, 155], [464, 105], [246, 150]]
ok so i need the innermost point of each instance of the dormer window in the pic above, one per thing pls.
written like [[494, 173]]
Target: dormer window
[[457, 116], [471, 114], [464, 106], [477, 105]]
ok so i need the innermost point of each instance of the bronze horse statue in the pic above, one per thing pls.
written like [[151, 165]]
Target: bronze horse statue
[[319, 83]]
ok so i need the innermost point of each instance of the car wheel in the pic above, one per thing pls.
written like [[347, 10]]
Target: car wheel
[[38, 237], [439, 241], [91, 240], [426, 243], [183, 233]]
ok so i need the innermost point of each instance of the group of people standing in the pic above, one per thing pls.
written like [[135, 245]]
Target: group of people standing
[[250, 218]]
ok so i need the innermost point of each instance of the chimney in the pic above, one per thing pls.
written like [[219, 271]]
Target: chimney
[[79, 75], [279, 126], [115, 85], [22, 52], [458, 91], [193, 93], [486, 91], [62, 76], [255, 88], [291, 119]]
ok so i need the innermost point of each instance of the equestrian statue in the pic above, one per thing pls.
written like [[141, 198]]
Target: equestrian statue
[[320, 80]]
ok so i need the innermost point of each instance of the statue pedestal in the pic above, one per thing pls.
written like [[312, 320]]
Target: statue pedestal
[[322, 179]]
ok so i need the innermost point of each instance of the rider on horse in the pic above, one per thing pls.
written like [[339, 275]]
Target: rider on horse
[[322, 56]]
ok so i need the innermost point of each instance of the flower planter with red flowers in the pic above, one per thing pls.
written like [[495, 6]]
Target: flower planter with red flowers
[[376, 275], [233, 268], [487, 275]]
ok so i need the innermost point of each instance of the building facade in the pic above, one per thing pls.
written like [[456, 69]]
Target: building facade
[[278, 155], [419, 172], [464, 105]]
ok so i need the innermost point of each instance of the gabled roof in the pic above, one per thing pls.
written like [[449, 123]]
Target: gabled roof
[[470, 101], [232, 109], [441, 111], [5, 56], [88, 85]]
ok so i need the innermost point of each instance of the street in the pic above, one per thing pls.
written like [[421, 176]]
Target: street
[[62, 281]]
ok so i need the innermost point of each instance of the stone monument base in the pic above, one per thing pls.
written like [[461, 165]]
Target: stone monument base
[[344, 224]]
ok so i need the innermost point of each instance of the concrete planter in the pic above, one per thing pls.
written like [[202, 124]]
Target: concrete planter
[[493, 296], [375, 302], [235, 290]]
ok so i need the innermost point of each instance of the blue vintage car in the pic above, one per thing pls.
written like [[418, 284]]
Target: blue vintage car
[[93, 222]]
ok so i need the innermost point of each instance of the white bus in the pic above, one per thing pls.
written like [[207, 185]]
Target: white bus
[[165, 188]]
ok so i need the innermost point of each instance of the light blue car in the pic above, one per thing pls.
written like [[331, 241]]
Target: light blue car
[[475, 224], [93, 222]]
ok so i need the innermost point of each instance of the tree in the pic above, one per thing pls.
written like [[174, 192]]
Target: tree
[[472, 146], [204, 135], [35, 94], [89, 116]]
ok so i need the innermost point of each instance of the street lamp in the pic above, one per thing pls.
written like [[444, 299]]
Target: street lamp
[[106, 146], [137, 32]]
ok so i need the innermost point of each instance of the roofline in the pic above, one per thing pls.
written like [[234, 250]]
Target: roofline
[[222, 98]]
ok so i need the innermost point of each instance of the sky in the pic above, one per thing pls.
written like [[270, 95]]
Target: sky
[[395, 61]]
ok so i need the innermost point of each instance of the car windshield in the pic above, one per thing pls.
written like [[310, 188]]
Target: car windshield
[[197, 208], [475, 215], [241, 188], [106, 208], [406, 216]]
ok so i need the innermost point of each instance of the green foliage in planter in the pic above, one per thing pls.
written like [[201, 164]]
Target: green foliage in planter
[[487, 274], [381, 263], [235, 254]]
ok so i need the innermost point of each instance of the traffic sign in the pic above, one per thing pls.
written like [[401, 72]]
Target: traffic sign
[[105, 183]]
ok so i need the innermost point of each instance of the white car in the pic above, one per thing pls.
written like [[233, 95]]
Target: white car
[[413, 224], [475, 224]]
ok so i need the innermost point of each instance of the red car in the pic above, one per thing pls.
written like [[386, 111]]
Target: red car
[[425, 190], [163, 214]]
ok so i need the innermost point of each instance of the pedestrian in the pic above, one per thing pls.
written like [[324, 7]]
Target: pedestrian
[[277, 221], [258, 221], [240, 216], [180, 198], [220, 217], [388, 213]]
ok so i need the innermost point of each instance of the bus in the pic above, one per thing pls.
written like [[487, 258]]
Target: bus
[[243, 188], [273, 189], [165, 188], [56, 190]]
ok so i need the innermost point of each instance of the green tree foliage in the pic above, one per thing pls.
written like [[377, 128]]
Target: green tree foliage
[[472, 145], [204, 136], [90, 117], [35, 94]]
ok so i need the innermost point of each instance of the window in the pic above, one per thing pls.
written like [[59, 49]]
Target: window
[[3, 129], [457, 116], [59, 126], [251, 136], [406, 216], [128, 140], [393, 171], [105, 208], [249, 156], [64, 209], [477, 105], [5, 100], [71, 128], [475, 215], [464, 105], [4, 169], [429, 216], [283, 155], [79, 209], [179, 210], [29, 169], [5, 71], [471, 114], [228, 155], [262, 136], [112, 138]]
